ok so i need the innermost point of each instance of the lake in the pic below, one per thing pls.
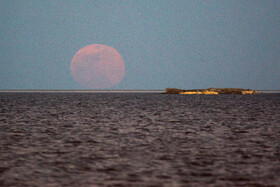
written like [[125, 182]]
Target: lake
[[139, 139]]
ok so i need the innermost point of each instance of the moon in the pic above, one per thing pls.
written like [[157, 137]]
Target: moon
[[97, 66]]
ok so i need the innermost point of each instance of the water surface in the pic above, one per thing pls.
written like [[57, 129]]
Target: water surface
[[118, 139]]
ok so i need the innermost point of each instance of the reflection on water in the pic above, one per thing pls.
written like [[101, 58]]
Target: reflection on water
[[71, 139]]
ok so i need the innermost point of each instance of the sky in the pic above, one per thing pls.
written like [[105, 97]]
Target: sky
[[185, 44]]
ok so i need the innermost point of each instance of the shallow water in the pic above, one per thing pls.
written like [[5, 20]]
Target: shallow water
[[72, 139]]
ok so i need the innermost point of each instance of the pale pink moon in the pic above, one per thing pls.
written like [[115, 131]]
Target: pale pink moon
[[97, 66]]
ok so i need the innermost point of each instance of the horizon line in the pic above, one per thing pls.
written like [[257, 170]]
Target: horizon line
[[82, 90], [99, 90]]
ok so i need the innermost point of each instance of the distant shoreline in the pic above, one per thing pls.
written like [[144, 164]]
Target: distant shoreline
[[99, 91]]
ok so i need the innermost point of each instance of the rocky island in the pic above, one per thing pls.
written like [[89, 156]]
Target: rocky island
[[213, 91]]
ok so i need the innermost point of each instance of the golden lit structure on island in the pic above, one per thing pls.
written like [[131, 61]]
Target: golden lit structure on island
[[210, 91]]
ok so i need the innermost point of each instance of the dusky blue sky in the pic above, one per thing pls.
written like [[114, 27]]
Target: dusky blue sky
[[184, 44]]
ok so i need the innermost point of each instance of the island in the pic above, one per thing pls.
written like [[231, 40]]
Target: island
[[210, 91]]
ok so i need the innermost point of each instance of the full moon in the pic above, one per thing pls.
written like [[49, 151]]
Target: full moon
[[97, 67]]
